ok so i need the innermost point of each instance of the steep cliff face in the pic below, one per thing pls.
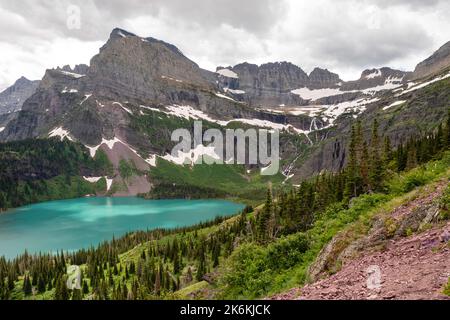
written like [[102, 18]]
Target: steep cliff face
[[400, 113], [137, 90], [266, 85], [322, 78], [144, 68], [437, 62], [283, 84]]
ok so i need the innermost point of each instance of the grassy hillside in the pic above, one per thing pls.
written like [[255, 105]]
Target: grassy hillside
[[172, 181], [223, 259]]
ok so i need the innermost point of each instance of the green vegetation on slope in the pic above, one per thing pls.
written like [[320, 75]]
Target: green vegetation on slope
[[199, 181], [39, 170], [254, 254]]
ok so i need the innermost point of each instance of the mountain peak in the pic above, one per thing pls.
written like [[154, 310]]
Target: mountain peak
[[120, 33], [22, 79], [12, 98]]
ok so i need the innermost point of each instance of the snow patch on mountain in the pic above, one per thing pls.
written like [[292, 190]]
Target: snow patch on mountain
[[92, 179], [151, 160], [187, 112], [218, 94], [396, 103], [390, 84], [329, 113], [60, 132], [69, 90], [99, 104], [315, 94], [234, 91], [228, 73], [357, 106], [86, 97], [120, 33], [171, 79], [109, 143], [124, 108], [416, 86], [72, 74], [109, 183], [150, 108], [375, 74], [97, 179], [193, 156]]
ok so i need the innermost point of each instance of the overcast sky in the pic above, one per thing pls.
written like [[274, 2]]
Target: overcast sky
[[345, 36]]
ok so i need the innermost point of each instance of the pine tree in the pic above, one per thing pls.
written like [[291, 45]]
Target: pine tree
[[387, 150], [189, 276], [411, 160], [176, 263], [447, 131], [41, 285], [215, 255], [27, 288], [85, 287], [264, 217], [376, 164], [353, 176], [61, 290], [157, 286], [364, 168], [201, 268]]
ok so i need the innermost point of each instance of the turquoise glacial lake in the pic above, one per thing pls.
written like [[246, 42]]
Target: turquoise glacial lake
[[79, 223]]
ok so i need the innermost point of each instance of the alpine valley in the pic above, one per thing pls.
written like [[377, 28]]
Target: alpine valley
[[363, 178]]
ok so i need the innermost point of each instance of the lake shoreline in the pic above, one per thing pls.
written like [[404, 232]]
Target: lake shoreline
[[74, 224]]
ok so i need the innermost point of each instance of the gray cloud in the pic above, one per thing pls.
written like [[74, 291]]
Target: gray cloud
[[345, 36], [416, 4], [99, 17], [368, 38]]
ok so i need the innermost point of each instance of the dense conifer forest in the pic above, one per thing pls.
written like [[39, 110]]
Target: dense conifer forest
[[246, 256], [47, 169]]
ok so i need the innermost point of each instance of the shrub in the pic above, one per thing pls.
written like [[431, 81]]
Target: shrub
[[444, 204], [247, 273], [447, 288], [251, 268], [287, 252]]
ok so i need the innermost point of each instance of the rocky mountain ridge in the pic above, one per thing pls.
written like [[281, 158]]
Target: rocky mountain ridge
[[137, 90], [12, 98], [438, 61]]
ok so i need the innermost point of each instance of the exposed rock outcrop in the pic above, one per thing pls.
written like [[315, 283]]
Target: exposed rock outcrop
[[12, 99], [269, 84], [322, 78], [437, 62], [372, 78], [404, 255]]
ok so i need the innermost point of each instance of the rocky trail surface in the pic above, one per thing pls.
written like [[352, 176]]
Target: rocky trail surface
[[414, 267]]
